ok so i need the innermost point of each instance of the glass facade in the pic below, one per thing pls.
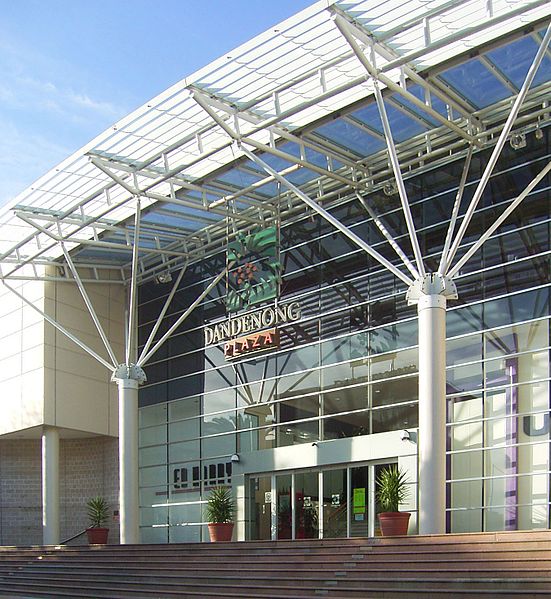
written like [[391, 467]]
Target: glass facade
[[349, 366]]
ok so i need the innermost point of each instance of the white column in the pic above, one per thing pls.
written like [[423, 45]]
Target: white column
[[432, 414], [128, 461], [50, 486]]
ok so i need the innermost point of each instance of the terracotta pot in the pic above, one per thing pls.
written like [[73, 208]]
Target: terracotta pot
[[97, 536], [220, 531], [394, 523]]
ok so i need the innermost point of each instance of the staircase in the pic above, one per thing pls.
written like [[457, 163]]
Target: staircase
[[478, 565]]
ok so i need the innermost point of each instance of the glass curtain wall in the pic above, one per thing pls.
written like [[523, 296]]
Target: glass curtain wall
[[349, 366]]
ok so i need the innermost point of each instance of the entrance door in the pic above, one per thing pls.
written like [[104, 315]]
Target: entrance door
[[329, 503], [335, 503], [260, 508]]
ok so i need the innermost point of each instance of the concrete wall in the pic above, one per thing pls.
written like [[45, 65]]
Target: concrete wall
[[79, 394], [45, 378], [88, 467], [21, 358]]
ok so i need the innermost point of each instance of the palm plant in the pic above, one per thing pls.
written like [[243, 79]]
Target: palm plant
[[391, 488], [220, 507], [98, 512]]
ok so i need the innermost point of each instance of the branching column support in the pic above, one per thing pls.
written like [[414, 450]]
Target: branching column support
[[431, 293], [128, 379]]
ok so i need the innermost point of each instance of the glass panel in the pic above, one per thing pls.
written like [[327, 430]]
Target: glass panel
[[307, 505], [152, 435], [284, 507], [300, 432], [184, 430], [395, 418], [396, 390], [346, 425], [151, 415], [335, 496], [154, 535], [183, 451], [222, 445], [151, 456], [348, 373], [466, 520], [359, 501], [260, 505]]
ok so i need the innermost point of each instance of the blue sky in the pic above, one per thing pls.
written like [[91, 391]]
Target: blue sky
[[71, 68]]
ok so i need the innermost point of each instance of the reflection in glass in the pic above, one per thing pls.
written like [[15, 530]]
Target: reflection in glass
[[306, 505], [335, 502]]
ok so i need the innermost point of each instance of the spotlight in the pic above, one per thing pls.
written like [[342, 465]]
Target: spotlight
[[405, 435], [538, 133], [235, 458], [518, 141], [164, 277], [389, 188]]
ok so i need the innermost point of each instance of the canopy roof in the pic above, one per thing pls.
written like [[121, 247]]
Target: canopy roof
[[299, 97]]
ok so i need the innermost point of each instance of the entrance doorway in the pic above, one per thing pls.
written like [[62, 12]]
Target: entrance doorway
[[315, 503]]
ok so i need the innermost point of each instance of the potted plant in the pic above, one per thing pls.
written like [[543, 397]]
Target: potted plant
[[391, 492], [98, 513], [220, 512]]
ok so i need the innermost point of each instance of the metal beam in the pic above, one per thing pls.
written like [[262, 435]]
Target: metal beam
[[399, 181], [144, 357], [61, 329], [330, 218], [455, 211], [348, 33], [133, 284], [462, 107], [89, 305], [169, 199], [497, 223], [499, 146], [163, 311], [393, 243], [203, 102]]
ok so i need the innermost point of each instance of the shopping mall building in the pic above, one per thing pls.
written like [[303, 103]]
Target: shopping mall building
[[325, 252]]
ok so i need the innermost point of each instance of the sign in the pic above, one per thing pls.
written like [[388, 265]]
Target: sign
[[358, 502], [252, 322], [250, 344], [256, 273], [335, 499]]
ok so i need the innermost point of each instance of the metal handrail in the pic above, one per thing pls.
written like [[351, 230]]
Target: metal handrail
[[79, 534]]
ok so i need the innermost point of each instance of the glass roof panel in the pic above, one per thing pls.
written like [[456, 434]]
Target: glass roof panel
[[402, 126], [476, 83], [239, 177], [350, 137], [515, 58], [436, 103]]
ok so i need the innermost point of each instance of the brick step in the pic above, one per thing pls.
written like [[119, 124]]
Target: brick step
[[342, 579], [251, 571], [237, 558], [230, 549], [229, 591]]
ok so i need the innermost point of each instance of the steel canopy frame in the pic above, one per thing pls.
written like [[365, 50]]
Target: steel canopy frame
[[142, 161]]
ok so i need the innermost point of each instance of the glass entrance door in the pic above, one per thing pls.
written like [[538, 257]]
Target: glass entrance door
[[260, 508], [328, 503]]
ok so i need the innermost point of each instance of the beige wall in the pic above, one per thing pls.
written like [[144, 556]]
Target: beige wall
[[79, 394], [21, 358], [45, 378]]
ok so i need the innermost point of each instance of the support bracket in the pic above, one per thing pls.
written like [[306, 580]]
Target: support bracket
[[432, 283], [129, 372]]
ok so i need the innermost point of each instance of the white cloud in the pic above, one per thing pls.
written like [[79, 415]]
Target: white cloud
[[24, 158]]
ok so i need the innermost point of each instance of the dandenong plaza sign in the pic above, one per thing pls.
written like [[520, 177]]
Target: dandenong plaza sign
[[249, 329], [254, 277]]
